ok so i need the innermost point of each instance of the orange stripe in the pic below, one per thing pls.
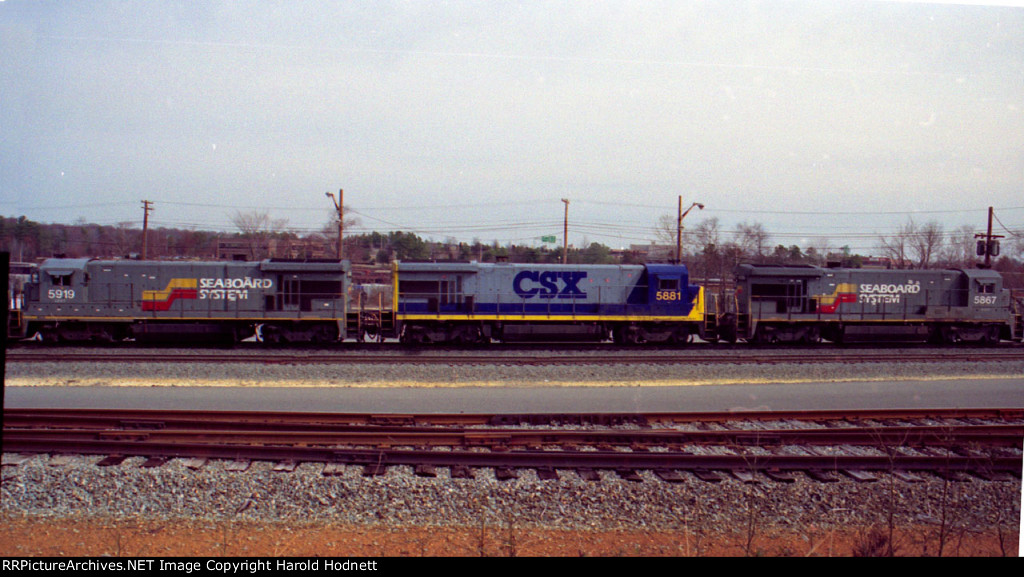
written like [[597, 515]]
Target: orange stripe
[[161, 300]]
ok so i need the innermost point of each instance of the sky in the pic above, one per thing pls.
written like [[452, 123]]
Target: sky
[[828, 122]]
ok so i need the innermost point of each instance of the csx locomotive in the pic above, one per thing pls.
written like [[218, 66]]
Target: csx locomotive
[[279, 301], [476, 302]]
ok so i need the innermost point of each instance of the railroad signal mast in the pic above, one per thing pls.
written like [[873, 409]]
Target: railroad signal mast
[[989, 247]]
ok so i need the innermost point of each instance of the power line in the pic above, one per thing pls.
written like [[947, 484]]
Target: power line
[[632, 230]]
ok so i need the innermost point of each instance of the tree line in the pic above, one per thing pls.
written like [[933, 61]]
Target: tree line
[[709, 251]]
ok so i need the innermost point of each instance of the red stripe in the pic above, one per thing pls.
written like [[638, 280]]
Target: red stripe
[[840, 299], [176, 294]]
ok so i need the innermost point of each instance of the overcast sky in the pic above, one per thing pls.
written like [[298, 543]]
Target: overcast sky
[[473, 119]]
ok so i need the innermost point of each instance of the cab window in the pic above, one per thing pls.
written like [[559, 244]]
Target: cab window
[[668, 284]]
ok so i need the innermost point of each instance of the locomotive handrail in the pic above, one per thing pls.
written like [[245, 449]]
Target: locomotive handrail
[[865, 311]]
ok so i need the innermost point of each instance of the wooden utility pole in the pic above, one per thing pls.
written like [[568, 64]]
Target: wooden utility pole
[[339, 205], [679, 232], [146, 207], [988, 247], [565, 233]]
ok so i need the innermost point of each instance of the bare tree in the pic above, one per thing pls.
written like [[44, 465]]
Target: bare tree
[[330, 230], [958, 251], [926, 242], [124, 238], [1017, 244], [665, 230], [752, 240], [817, 251], [706, 234], [913, 244], [895, 247], [258, 228], [705, 240]]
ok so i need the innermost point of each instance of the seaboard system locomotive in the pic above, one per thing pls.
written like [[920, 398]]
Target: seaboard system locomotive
[[181, 301], [806, 304]]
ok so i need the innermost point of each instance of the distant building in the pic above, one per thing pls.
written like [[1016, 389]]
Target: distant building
[[295, 249], [653, 252], [875, 262]]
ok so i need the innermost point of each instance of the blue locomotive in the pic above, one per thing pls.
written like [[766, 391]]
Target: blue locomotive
[[478, 302]]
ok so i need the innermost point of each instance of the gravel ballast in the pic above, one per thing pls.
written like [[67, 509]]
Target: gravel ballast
[[399, 498], [390, 375], [40, 488]]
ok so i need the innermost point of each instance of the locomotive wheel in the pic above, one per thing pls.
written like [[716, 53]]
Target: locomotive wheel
[[322, 335], [681, 337], [413, 336], [811, 337], [628, 335], [104, 336], [951, 335], [270, 335], [471, 335], [764, 337]]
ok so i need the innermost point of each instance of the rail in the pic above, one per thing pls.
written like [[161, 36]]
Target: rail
[[982, 442]]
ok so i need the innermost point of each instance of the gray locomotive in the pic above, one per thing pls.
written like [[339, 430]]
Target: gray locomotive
[[112, 300], [806, 303]]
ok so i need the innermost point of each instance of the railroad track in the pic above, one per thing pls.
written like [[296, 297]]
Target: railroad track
[[986, 443], [446, 358]]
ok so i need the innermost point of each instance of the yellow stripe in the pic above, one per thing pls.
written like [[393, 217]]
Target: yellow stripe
[[578, 318], [696, 315], [176, 283], [394, 284], [830, 299]]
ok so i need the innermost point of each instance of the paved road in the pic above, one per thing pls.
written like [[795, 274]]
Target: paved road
[[960, 393]]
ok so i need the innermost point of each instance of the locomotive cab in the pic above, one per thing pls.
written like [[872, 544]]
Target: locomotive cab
[[61, 282], [668, 289]]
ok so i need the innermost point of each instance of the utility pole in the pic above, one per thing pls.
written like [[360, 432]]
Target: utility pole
[[146, 207], [679, 227], [339, 205], [988, 247], [565, 233]]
